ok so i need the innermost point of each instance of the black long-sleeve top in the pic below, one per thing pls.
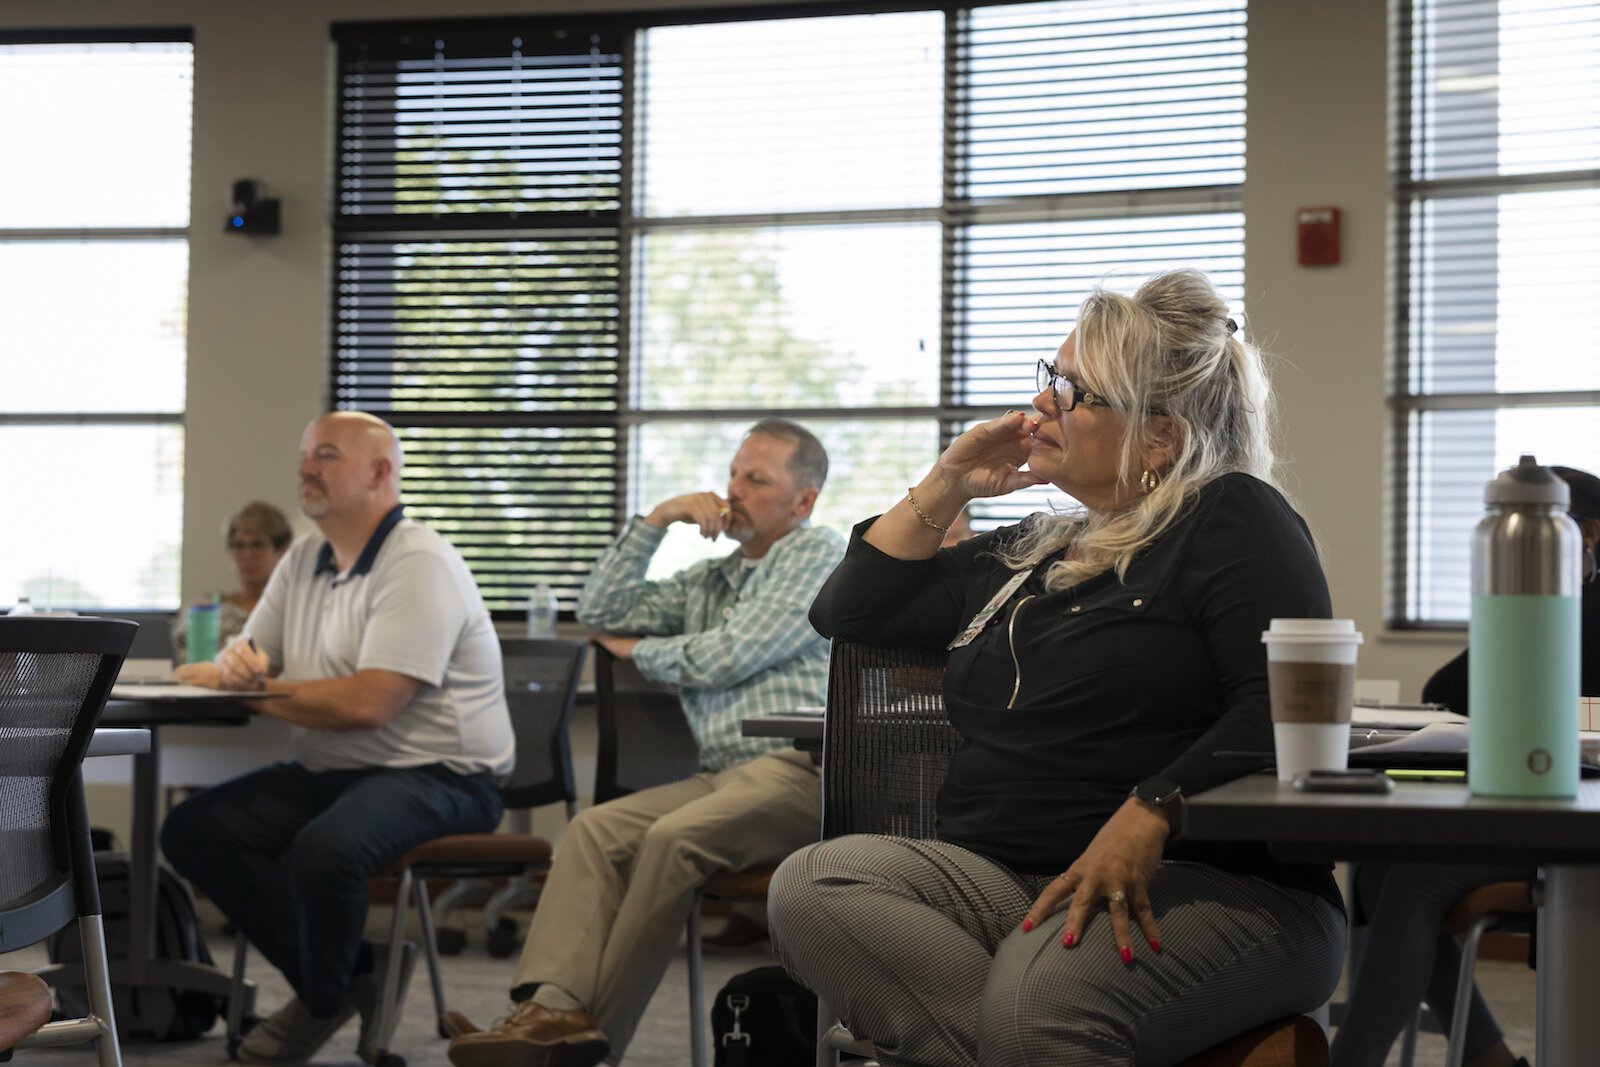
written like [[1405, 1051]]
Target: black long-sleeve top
[[1068, 699], [1448, 686]]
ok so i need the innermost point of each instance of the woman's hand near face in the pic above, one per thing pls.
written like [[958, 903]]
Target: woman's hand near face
[[1123, 857], [984, 461], [987, 459]]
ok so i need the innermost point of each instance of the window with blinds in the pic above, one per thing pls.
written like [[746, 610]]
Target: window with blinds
[[94, 289], [478, 301], [576, 261], [1499, 198]]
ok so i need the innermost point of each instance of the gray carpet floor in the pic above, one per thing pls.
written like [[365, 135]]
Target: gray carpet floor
[[477, 984]]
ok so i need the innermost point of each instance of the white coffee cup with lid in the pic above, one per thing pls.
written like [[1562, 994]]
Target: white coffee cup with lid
[[1311, 677]]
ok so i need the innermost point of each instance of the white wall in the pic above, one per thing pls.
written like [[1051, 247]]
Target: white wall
[[1317, 135], [259, 319]]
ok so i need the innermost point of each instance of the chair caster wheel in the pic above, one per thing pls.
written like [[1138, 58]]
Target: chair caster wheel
[[504, 939], [449, 940]]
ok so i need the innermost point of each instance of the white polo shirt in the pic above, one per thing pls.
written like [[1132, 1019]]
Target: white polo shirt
[[409, 605]]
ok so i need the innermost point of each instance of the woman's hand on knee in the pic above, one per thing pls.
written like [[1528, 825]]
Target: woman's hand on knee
[[1116, 868]]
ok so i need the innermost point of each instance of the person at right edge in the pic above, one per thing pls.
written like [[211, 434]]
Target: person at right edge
[[1100, 660], [1407, 957]]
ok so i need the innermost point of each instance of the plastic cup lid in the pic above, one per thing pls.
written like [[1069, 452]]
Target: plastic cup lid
[[1308, 630]]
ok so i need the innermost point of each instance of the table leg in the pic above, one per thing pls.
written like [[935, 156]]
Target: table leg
[[143, 864], [1569, 944]]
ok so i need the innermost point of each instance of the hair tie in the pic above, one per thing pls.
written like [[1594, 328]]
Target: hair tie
[[1233, 327]]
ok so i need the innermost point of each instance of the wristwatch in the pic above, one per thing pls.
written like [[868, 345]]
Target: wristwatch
[[1164, 795]]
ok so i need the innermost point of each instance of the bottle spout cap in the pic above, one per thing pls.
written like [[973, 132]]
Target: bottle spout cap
[[1528, 483]]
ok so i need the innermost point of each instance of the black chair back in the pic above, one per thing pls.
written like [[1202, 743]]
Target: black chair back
[[542, 676], [887, 741], [644, 738], [55, 675], [154, 639]]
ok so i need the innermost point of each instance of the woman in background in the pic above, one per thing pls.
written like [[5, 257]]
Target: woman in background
[[258, 536]]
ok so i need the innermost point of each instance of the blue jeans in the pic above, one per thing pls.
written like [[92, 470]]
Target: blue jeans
[[286, 853]]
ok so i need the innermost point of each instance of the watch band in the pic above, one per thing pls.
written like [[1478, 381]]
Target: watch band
[[1165, 795]]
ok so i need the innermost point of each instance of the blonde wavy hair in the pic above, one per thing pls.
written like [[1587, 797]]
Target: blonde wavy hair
[[1170, 349]]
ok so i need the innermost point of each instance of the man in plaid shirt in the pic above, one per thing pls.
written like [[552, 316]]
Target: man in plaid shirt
[[733, 635]]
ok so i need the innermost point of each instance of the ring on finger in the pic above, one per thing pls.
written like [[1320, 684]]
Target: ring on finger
[[1118, 898]]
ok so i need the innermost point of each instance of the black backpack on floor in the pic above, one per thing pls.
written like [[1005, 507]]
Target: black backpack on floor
[[764, 1018], [157, 1012]]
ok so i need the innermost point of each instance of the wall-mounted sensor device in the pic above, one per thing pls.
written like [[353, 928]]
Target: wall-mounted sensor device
[[252, 213]]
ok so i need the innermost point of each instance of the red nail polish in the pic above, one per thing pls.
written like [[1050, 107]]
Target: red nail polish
[[1126, 953], [1155, 946], [1069, 939], [1027, 925]]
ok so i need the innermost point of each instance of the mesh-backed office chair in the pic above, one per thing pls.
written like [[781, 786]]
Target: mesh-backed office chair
[[644, 741], [537, 673], [887, 744], [1505, 906], [55, 674], [541, 686]]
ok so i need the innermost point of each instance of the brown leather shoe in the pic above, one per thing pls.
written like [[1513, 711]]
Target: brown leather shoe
[[455, 1023], [534, 1036]]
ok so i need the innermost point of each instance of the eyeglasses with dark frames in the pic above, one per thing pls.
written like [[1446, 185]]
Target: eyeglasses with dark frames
[[1066, 393]]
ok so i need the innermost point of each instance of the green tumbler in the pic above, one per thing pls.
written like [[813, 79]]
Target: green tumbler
[[202, 634]]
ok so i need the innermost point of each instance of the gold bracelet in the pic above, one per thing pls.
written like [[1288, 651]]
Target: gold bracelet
[[923, 515]]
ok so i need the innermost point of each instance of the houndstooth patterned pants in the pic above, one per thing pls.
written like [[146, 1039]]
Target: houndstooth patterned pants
[[918, 946]]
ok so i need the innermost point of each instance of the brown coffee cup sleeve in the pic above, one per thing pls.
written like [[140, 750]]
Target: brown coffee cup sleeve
[[1311, 692]]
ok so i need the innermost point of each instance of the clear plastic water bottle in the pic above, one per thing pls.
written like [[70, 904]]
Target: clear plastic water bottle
[[542, 608], [1523, 672], [24, 606]]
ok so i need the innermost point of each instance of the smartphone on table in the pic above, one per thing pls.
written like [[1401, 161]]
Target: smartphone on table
[[1353, 780]]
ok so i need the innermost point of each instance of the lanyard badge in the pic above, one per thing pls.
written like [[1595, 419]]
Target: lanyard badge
[[989, 610]]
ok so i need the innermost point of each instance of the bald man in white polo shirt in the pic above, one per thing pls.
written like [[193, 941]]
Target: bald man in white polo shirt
[[376, 638]]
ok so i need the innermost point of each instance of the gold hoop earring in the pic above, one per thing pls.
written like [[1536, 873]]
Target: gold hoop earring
[[1149, 481]]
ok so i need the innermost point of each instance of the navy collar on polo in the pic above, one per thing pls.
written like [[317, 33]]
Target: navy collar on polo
[[325, 564]]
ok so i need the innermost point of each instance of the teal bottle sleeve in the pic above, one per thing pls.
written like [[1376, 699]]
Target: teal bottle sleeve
[[202, 633], [1522, 682]]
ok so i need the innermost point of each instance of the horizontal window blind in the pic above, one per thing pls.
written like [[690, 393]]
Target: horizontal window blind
[[808, 114], [1100, 95], [1500, 211], [479, 285], [105, 126], [1020, 285], [94, 273]]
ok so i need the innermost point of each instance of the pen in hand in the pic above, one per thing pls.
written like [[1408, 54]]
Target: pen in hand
[[260, 677]]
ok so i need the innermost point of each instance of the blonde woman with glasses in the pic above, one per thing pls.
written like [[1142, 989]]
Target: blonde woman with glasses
[[1100, 658]]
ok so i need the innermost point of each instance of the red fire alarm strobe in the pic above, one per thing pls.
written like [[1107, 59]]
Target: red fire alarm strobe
[[1318, 236]]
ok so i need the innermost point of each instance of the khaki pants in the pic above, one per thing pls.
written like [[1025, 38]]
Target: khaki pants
[[626, 872]]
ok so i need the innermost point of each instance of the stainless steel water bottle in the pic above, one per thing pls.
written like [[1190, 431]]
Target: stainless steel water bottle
[[1523, 666]]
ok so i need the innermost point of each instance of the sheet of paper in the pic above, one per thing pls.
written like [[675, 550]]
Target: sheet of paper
[[1402, 718], [1452, 737], [175, 691]]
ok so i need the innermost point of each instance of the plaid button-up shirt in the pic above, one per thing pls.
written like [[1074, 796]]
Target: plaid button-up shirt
[[734, 639]]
